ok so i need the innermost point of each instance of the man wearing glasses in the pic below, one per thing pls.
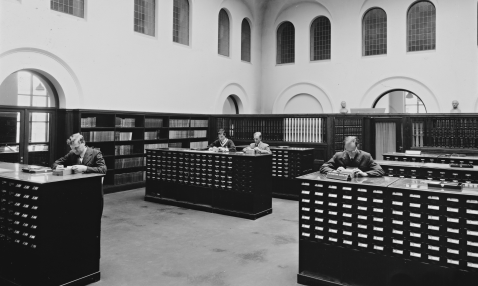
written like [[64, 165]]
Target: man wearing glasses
[[222, 144], [361, 163], [81, 158], [258, 146]]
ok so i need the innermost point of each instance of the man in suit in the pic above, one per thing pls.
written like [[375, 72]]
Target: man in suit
[[222, 144], [81, 158], [352, 157], [258, 146]]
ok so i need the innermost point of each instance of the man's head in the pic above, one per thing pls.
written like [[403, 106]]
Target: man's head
[[351, 144], [343, 103], [77, 143], [221, 134], [257, 137], [455, 104]]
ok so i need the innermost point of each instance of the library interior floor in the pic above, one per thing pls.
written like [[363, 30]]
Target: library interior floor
[[147, 244]]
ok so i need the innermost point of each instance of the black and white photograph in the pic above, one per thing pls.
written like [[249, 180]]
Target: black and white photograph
[[238, 142]]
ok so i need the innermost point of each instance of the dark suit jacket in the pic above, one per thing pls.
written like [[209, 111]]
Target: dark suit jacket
[[93, 159], [229, 144], [362, 160]]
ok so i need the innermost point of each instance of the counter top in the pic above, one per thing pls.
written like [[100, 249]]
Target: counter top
[[372, 181], [427, 155], [402, 164], [205, 152], [14, 171], [418, 184]]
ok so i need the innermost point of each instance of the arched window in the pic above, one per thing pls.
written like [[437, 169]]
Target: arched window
[[286, 43], [400, 101], [230, 105], [246, 41], [181, 22], [421, 27], [223, 33], [144, 16], [320, 35], [374, 32]]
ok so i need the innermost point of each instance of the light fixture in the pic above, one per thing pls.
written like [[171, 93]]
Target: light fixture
[[40, 87], [409, 95]]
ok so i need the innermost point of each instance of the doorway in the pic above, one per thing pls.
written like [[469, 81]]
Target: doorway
[[27, 117], [388, 136]]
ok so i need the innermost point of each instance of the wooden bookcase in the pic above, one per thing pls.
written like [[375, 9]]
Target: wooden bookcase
[[123, 138]]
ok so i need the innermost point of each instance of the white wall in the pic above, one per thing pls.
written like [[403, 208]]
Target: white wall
[[437, 77], [100, 62]]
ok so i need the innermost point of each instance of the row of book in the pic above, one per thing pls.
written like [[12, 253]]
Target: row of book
[[155, 146], [88, 122], [178, 122], [272, 129], [445, 133], [124, 149], [125, 122], [199, 122], [178, 134], [128, 178], [152, 135], [123, 136], [198, 145], [175, 145], [417, 134], [153, 122], [130, 162], [98, 136], [304, 130]]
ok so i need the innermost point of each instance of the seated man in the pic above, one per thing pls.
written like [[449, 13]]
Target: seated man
[[258, 146], [353, 157], [81, 158], [222, 144]]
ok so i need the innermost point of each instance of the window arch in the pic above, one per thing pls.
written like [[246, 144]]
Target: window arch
[[400, 101], [320, 38], [286, 43], [421, 27], [374, 32], [181, 22], [246, 41], [223, 33]]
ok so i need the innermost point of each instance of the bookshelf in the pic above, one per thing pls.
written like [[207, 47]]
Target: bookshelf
[[123, 138], [454, 133], [322, 132], [348, 126]]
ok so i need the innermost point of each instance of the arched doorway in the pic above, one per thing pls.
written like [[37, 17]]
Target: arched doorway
[[388, 132], [28, 101], [400, 101], [232, 105]]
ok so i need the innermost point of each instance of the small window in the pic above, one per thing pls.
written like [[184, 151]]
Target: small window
[[223, 33], [286, 43], [72, 7], [246, 41], [144, 16], [374, 32], [421, 27], [181, 22], [320, 35]]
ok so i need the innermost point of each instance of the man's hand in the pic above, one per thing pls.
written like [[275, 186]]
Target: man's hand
[[340, 169], [362, 174], [79, 168]]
